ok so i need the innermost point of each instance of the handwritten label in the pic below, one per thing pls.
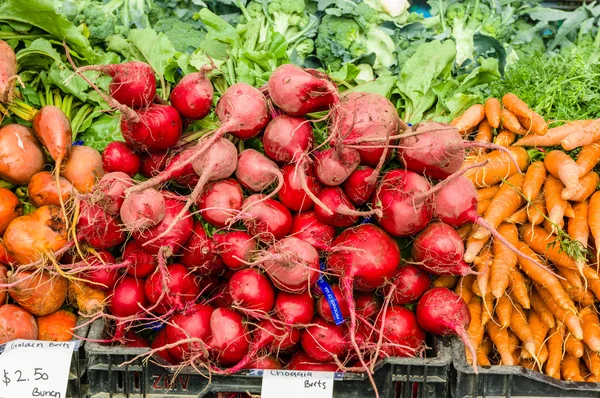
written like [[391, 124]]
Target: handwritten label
[[30, 368], [297, 384]]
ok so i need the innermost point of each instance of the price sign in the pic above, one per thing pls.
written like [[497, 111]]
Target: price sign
[[297, 384], [30, 368]]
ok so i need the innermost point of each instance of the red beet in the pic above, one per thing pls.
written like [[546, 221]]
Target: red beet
[[229, 342], [235, 248], [294, 309], [292, 264], [252, 290], [440, 311], [220, 201], [156, 128], [292, 193], [200, 253], [171, 291], [301, 361], [141, 264], [98, 228], [193, 95], [268, 219], [401, 331], [118, 156], [401, 214], [307, 227], [324, 309], [98, 274], [410, 284], [194, 322], [322, 341], [439, 250], [300, 91], [358, 187], [287, 137]]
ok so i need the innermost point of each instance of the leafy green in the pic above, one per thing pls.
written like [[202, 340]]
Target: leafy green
[[42, 14], [103, 131]]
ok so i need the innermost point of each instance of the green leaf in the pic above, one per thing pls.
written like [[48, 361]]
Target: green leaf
[[218, 28], [103, 131], [38, 55], [42, 14], [569, 25], [547, 14], [156, 48], [431, 61], [383, 85]]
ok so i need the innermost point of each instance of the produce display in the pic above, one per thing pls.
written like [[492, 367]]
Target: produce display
[[308, 185]]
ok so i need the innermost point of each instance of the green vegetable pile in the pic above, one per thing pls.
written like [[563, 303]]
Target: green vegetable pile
[[432, 64]]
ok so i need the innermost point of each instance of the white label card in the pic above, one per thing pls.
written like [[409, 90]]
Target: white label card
[[30, 368], [297, 384]]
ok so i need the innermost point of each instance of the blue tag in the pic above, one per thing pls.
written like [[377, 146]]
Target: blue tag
[[325, 287], [409, 124], [366, 220], [78, 143], [157, 325]]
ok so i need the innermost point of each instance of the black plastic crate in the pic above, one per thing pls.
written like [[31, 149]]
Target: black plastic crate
[[395, 377], [510, 381]]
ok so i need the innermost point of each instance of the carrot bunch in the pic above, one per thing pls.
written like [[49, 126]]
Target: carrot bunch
[[544, 319]]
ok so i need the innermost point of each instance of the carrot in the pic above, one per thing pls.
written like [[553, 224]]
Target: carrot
[[504, 259], [475, 330], [594, 221], [592, 279], [545, 244], [58, 326], [463, 288], [536, 211], [503, 311], [555, 204], [569, 318], [561, 166], [447, 281], [506, 202], [588, 158], [518, 217], [520, 327], [519, 288], [473, 247], [584, 136], [505, 138], [540, 331], [587, 186], [465, 231], [499, 337], [484, 132], [483, 265], [488, 307], [592, 361], [487, 193], [484, 349], [513, 341], [542, 309], [534, 180], [536, 124], [591, 328], [499, 167], [570, 368], [476, 290], [555, 351], [592, 379], [573, 346], [544, 278], [552, 228], [554, 135], [578, 228], [511, 122], [516, 105], [569, 212], [470, 119], [482, 206], [492, 112]]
